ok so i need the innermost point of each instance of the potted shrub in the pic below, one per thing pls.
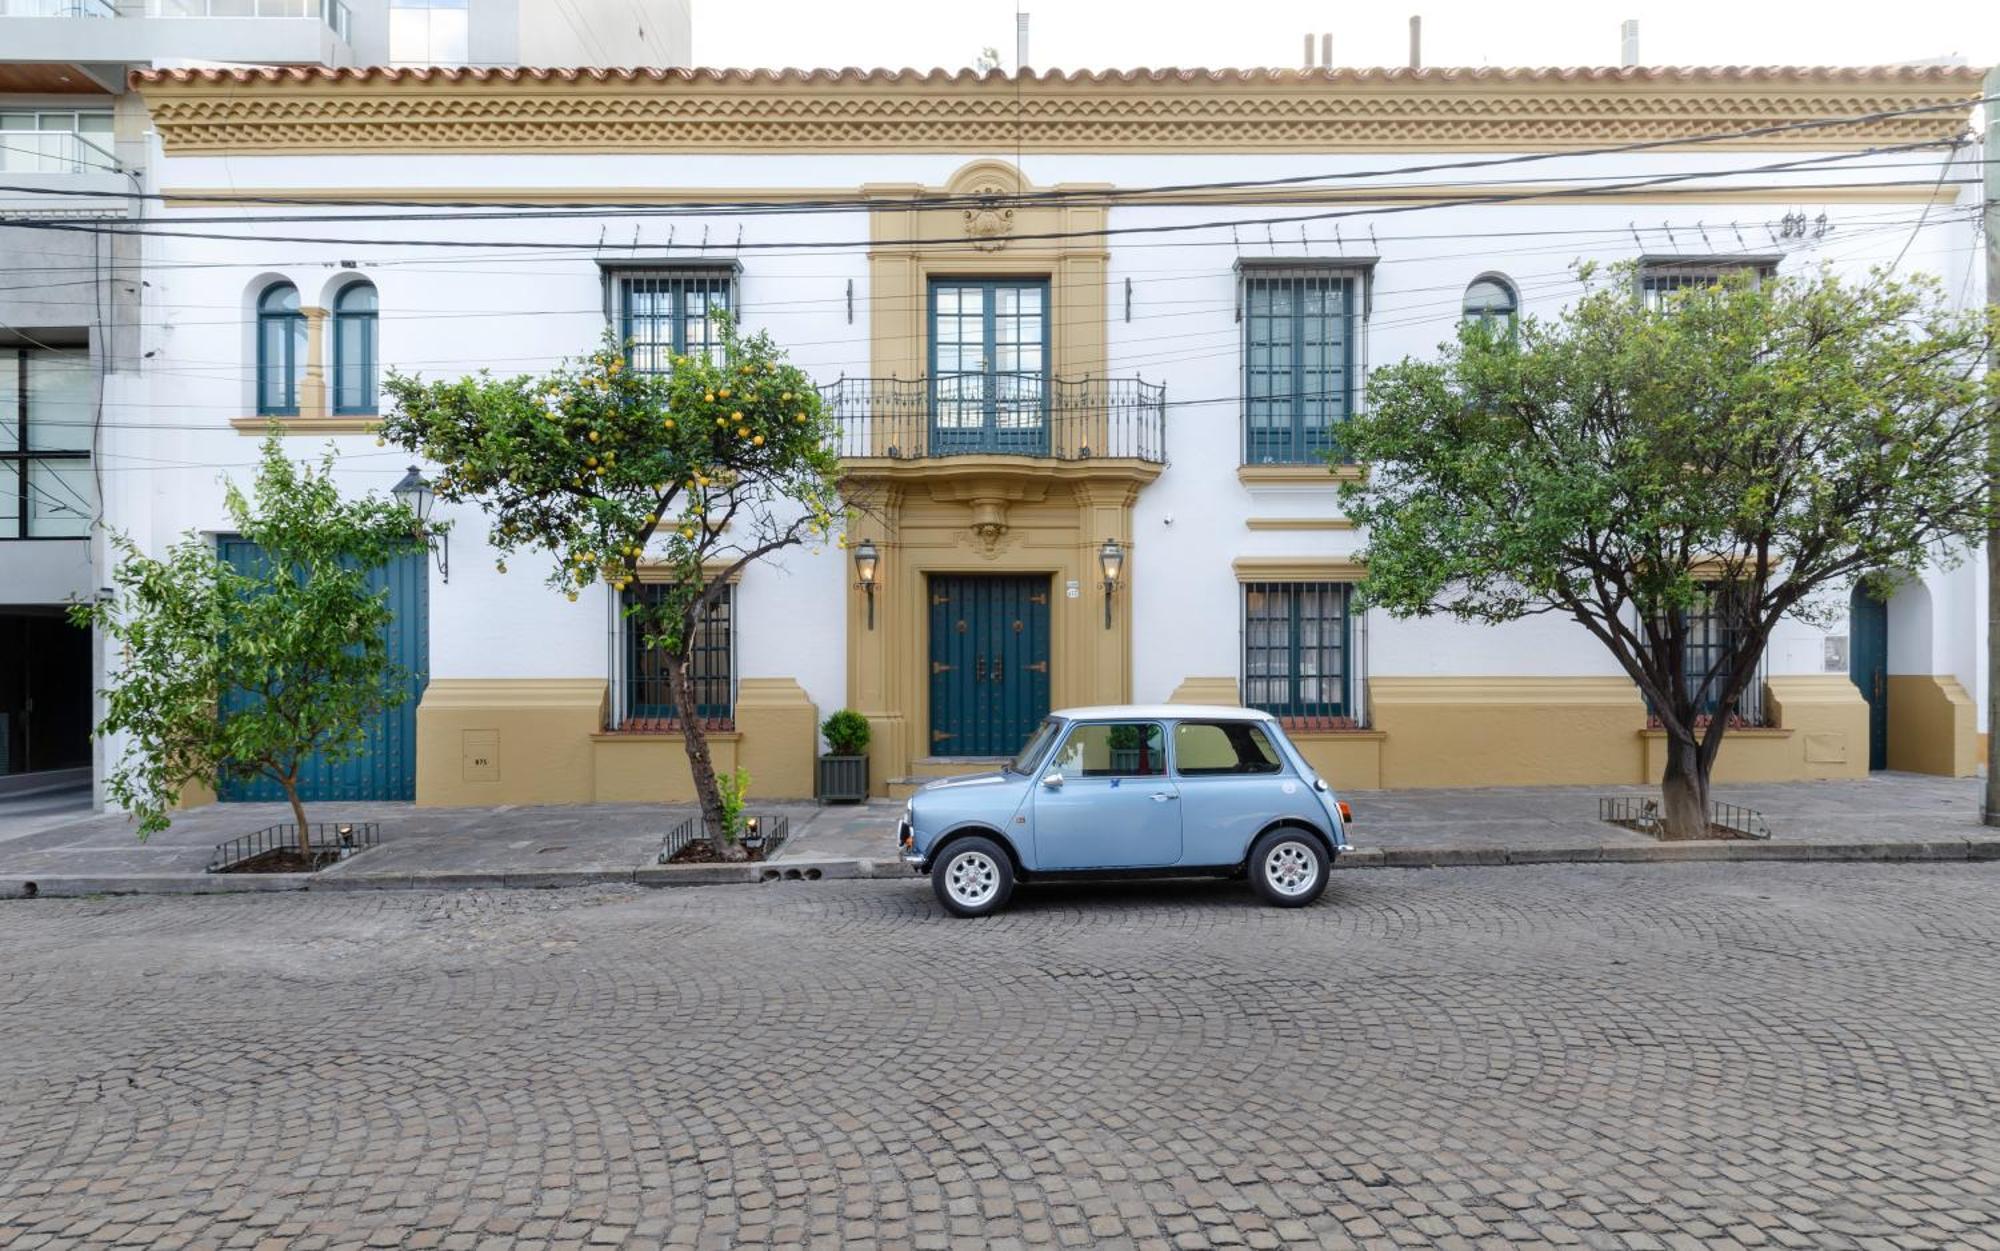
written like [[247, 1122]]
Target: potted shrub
[[843, 771]]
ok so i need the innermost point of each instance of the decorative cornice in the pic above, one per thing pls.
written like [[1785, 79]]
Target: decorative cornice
[[294, 109]]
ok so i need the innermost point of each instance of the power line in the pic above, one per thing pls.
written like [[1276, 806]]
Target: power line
[[1052, 195], [814, 246]]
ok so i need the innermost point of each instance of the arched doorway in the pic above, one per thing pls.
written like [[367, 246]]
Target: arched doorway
[[1868, 666]]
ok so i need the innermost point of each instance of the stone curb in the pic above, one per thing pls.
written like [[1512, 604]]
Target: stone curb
[[54, 886]]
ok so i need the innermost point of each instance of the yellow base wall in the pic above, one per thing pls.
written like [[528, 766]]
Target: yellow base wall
[[1507, 731], [1578, 731], [1350, 759], [484, 741], [653, 768], [1933, 726]]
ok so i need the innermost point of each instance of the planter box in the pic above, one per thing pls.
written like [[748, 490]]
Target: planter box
[[772, 830], [843, 779]]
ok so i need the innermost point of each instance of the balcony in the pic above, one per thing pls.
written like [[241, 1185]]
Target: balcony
[[896, 421], [100, 36]]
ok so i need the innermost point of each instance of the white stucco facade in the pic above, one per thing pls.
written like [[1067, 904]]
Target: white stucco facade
[[519, 290]]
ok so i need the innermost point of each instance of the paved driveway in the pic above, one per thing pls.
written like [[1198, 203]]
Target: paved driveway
[[1605, 1056]]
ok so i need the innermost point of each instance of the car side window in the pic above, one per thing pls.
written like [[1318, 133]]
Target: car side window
[[1210, 748], [1133, 749]]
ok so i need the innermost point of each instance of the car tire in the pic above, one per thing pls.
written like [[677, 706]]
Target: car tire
[[1288, 867], [973, 877]]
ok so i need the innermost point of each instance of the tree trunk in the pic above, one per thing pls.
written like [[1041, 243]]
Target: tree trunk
[[290, 782], [701, 765], [1684, 791]]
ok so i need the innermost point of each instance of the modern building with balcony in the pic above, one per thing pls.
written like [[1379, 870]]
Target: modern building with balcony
[[78, 158], [1087, 342]]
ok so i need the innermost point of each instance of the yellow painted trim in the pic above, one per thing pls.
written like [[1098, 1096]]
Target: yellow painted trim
[[333, 111], [1318, 475], [302, 425], [1299, 523], [1933, 725], [1214, 691], [1298, 569], [655, 571]]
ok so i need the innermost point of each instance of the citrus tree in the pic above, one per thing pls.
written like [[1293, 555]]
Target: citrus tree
[[248, 673], [693, 473], [1738, 449]]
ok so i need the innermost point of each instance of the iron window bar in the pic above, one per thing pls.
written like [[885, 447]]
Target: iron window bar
[[646, 680], [1299, 649]]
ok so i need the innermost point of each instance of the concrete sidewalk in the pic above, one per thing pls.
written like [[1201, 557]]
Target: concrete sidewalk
[[1888, 817]]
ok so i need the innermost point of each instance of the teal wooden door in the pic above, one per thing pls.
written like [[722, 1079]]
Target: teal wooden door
[[387, 765], [989, 662], [1868, 665]]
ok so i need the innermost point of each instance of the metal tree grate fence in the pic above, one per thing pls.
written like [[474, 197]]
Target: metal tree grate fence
[[331, 842], [1644, 815], [775, 827]]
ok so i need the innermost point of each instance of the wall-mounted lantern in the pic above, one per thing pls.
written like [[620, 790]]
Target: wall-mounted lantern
[[414, 493], [866, 561], [1111, 561]]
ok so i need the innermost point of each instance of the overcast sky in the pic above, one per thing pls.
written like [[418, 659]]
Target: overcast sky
[[1095, 34]]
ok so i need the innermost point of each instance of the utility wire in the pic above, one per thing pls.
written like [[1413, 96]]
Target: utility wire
[[822, 245], [1052, 195]]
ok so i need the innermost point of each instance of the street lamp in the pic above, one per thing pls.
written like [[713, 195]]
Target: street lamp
[[1111, 560], [866, 561], [414, 493]]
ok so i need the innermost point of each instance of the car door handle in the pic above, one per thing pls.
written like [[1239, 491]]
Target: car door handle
[[1160, 797]]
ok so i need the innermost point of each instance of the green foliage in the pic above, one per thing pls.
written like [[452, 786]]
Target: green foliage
[[1785, 439], [295, 645], [695, 473], [846, 733], [734, 787]]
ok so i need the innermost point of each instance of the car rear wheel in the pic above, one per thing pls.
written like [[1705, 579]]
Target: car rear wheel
[[973, 878], [1288, 868]]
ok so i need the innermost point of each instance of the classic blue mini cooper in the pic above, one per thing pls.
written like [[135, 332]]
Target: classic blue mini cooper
[[1171, 791]]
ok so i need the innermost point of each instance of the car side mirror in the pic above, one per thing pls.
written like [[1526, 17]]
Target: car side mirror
[[1053, 781]]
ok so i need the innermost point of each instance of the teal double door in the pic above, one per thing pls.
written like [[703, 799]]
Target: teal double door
[[386, 768], [989, 662]]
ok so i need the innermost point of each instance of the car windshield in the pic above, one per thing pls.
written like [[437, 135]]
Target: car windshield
[[1038, 745]]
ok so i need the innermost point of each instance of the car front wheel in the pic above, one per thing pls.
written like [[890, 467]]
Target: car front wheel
[[973, 878], [1288, 868]]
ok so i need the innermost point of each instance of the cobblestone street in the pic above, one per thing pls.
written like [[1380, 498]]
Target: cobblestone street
[[1602, 1056]]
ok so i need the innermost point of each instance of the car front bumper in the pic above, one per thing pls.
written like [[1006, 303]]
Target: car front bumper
[[906, 842]]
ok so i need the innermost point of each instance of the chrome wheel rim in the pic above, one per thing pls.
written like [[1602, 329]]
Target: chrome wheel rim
[[1291, 869], [972, 879]]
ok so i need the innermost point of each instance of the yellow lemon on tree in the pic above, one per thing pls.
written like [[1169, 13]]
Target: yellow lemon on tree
[[724, 393], [668, 423], [593, 436], [758, 441], [742, 432]]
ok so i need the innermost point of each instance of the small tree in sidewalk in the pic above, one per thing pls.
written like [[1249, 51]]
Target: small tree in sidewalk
[[228, 672], [1733, 456], [694, 473]]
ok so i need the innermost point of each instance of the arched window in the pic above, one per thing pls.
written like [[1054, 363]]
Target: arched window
[[354, 349], [1491, 299], [281, 350]]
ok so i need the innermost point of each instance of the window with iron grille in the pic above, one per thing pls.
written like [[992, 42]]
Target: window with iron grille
[[1298, 649], [1659, 279], [661, 314], [1299, 331], [47, 489], [1712, 628], [649, 679]]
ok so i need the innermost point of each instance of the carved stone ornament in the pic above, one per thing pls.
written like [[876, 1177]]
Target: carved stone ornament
[[986, 223]]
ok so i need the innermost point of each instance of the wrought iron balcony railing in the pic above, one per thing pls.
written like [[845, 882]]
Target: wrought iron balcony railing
[[1004, 414]]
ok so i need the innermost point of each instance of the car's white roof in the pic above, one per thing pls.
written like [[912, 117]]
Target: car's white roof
[[1162, 712]]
